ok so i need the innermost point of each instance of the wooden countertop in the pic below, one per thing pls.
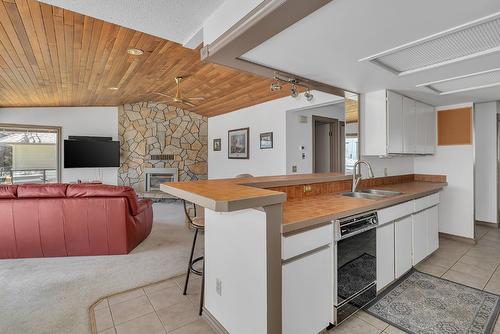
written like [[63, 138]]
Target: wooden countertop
[[315, 210], [242, 193]]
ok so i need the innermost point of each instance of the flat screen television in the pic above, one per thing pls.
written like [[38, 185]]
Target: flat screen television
[[91, 153]]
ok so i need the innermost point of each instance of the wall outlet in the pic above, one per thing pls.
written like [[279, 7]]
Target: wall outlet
[[385, 171], [307, 189], [218, 286], [303, 156], [294, 169]]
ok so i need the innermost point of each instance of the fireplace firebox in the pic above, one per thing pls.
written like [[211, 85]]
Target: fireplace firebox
[[153, 177]]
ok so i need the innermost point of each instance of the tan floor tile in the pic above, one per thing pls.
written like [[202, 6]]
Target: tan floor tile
[[489, 243], [160, 286], [123, 297], [197, 327], [431, 269], [181, 279], [108, 331], [474, 269], [194, 291], [355, 325], [167, 297], [484, 254], [466, 279], [178, 315], [374, 321], [131, 309], [496, 330], [394, 330], [441, 260], [101, 304], [493, 287], [147, 324], [482, 263], [103, 319]]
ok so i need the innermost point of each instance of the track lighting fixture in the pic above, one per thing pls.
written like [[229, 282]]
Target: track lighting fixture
[[308, 95], [294, 92], [276, 86]]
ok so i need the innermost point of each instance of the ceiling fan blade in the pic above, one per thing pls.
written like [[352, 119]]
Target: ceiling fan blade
[[188, 103], [158, 93], [195, 98]]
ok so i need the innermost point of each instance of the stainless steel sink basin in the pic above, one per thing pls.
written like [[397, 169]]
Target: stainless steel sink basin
[[384, 193], [363, 195]]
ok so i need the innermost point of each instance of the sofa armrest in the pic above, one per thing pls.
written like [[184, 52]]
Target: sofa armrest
[[142, 205]]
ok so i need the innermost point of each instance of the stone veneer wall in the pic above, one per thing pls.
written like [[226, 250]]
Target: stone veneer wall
[[150, 128]]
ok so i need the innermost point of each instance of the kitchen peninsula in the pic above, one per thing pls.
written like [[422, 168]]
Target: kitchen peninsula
[[260, 232]]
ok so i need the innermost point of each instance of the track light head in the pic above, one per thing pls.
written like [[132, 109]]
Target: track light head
[[294, 92], [308, 95], [275, 86]]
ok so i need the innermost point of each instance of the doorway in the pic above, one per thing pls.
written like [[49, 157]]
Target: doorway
[[328, 145]]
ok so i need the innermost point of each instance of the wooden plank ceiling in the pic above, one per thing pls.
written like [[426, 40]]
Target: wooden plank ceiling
[[54, 57]]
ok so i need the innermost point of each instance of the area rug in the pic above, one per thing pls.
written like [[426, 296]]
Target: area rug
[[420, 303]]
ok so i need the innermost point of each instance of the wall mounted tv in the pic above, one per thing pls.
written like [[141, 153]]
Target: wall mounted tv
[[94, 152]]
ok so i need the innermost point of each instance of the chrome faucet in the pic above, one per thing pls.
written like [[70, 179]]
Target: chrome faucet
[[355, 178]]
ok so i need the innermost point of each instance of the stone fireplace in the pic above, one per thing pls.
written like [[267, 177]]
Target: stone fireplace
[[153, 177], [156, 136]]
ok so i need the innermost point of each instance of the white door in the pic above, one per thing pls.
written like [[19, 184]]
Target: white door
[[421, 128], [394, 123], [307, 293], [431, 124], [409, 125], [385, 255], [420, 236], [433, 228], [403, 246]]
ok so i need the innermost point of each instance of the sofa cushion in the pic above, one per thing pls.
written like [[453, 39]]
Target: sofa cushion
[[104, 190], [8, 191], [54, 190]]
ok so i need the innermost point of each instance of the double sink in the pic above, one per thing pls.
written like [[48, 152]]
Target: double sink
[[374, 194]]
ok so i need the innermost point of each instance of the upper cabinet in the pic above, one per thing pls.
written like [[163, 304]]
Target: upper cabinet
[[396, 124]]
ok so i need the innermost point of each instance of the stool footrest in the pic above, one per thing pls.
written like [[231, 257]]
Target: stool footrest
[[191, 266]]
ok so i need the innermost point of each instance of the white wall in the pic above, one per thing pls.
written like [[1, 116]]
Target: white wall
[[485, 130], [300, 134], [456, 210], [75, 121], [388, 166], [264, 117]]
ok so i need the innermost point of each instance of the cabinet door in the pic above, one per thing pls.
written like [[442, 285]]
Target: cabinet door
[[422, 124], [409, 125], [431, 124], [420, 236], [394, 123], [433, 228], [385, 255], [307, 293], [403, 246]]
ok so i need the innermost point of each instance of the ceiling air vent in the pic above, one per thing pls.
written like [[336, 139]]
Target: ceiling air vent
[[473, 39], [478, 80]]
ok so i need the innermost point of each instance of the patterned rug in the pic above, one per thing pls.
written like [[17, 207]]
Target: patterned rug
[[419, 303]]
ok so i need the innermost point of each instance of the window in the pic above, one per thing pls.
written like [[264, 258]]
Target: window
[[351, 153], [29, 154]]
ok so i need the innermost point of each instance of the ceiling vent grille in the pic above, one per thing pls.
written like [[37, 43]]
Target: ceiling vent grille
[[473, 39], [484, 79]]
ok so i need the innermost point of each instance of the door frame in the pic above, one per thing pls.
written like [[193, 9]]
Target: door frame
[[335, 132]]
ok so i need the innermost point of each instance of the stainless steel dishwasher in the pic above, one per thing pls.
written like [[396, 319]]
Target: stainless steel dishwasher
[[355, 264]]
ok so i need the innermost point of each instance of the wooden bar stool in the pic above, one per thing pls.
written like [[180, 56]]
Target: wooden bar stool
[[198, 223]]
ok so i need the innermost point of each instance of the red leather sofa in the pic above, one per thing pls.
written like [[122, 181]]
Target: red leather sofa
[[71, 220]]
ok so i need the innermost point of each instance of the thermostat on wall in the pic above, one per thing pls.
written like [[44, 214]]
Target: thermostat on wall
[[302, 119]]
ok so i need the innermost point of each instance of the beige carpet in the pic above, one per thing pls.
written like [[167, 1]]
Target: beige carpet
[[53, 295]]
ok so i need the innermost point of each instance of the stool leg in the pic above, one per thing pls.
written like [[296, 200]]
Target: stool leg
[[190, 261], [202, 288]]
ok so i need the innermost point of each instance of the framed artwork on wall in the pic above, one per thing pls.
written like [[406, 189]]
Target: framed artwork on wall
[[266, 140], [217, 144], [238, 143]]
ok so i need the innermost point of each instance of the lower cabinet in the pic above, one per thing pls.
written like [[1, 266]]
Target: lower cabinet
[[385, 255], [307, 292], [425, 233], [402, 246]]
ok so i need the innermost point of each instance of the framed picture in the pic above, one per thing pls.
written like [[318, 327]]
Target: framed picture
[[238, 143], [266, 140], [217, 145]]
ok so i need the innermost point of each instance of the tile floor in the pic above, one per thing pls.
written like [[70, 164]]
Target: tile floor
[[161, 308]]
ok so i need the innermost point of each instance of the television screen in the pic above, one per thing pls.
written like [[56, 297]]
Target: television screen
[[88, 153]]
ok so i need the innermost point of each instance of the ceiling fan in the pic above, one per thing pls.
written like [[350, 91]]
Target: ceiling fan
[[178, 98]]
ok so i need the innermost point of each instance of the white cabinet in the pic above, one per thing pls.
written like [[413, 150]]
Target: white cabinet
[[409, 126], [433, 228], [395, 124], [307, 293], [420, 237], [385, 255], [402, 246]]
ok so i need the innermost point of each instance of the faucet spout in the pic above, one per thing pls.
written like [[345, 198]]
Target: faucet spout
[[356, 178]]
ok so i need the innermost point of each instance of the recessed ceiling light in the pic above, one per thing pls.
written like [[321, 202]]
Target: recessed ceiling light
[[113, 88], [470, 40], [464, 83], [135, 52]]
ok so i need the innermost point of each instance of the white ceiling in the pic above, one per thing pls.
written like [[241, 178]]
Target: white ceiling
[[326, 45], [175, 20]]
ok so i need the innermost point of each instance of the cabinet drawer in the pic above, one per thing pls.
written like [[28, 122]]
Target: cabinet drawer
[[301, 243], [426, 202], [395, 212]]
